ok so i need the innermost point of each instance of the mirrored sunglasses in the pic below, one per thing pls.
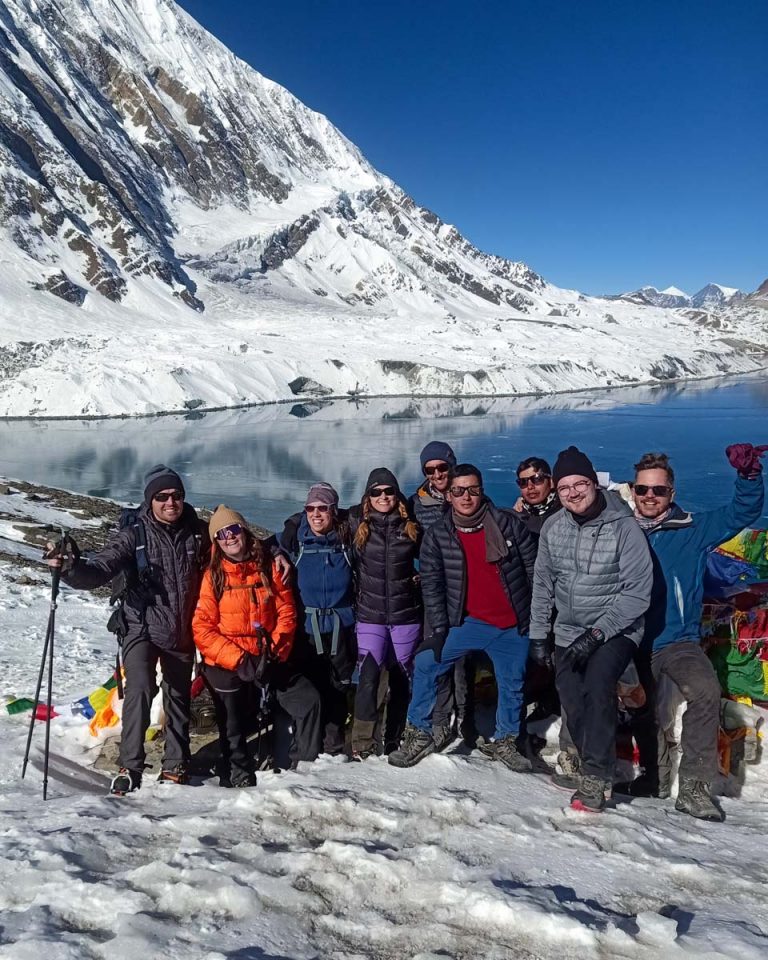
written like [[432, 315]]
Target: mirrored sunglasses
[[473, 491], [229, 533]]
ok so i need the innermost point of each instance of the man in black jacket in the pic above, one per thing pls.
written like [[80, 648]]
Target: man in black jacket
[[158, 619], [476, 568]]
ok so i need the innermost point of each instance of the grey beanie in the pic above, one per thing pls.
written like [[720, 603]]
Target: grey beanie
[[161, 478]]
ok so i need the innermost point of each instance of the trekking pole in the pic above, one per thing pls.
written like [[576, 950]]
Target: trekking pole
[[47, 655]]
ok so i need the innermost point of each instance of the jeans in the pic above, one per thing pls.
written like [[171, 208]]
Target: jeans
[[508, 651]]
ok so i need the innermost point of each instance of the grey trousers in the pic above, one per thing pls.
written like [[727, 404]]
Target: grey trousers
[[140, 659], [690, 670]]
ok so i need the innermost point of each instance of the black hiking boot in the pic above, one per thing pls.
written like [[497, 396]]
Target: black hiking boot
[[641, 786], [125, 781], [443, 736], [694, 797], [569, 777], [416, 745], [506, 751], [590, 797]]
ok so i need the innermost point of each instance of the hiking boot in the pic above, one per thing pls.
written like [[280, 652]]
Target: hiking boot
[[443, 736], [125, 781], [642, 786], [531, 746], [694, 797], [178, 774], [416, 745], [487, 747], [240, 780], [570, 771], [468, 732], [510, 756], [590, 796], [359, 754]]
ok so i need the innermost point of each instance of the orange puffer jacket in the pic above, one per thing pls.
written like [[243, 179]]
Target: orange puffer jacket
[[224, 630]]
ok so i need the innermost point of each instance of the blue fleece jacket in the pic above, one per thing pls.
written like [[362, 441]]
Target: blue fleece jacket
[[679, 548]]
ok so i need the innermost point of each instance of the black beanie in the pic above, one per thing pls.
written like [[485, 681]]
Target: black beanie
[[381, 477], [573, 463], [437, 450], [161, 478]]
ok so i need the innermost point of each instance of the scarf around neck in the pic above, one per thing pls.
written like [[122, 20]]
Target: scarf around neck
[[495, 544], [649, 524], [539, 509]]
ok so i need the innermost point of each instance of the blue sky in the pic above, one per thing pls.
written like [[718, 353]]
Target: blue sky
[[606, 144]]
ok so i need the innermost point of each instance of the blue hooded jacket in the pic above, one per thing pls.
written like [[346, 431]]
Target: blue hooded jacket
[[679, 548]]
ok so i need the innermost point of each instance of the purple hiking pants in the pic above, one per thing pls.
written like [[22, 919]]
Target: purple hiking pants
[[376, 639]]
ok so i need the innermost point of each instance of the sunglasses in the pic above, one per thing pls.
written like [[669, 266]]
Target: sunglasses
[[537, 479], [459, 492], [382, 492], [657, 489], [176, 495], [317, 508], [229, 533], [437, 468]]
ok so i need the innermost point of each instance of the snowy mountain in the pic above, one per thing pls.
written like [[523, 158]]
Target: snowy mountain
[[179, 232], [713, 296]]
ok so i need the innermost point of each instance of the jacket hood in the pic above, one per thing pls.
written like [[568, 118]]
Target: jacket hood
[[677, 518], [381, 476]]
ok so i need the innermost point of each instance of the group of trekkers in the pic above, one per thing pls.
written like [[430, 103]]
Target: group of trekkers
[[576, 594]]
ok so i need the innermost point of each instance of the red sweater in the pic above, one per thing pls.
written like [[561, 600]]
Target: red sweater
[[487, 599]]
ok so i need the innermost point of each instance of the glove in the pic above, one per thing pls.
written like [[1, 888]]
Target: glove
[[581, 649], [540, 652], [746, 459], [252, 668]]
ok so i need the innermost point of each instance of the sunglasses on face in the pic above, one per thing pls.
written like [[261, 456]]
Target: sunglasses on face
[[459, 492], [229, 533], [436, 468], [579, 487], [657, 489], [537, 479], [382, 492], [317, 508], [176, 495]]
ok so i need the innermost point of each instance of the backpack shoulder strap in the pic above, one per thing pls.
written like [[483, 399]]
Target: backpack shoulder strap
[[142, 560]]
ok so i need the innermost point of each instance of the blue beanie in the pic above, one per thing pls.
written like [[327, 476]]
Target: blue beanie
[[437, 450]]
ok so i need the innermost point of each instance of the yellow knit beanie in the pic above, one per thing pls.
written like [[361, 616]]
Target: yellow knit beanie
[[224, 516]]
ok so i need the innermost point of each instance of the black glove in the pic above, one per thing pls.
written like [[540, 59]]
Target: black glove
[[252, 668], [581, 649], [540, 651]]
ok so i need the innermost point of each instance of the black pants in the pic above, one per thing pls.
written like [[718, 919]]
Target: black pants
[[456, 691], [140, 659], [590, 703], [690, 669], [642, 720], [332, 675], [234, 701]]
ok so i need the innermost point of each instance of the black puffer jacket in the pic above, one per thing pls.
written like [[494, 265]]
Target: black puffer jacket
[[177, 555], [387, 591], [444, 574]]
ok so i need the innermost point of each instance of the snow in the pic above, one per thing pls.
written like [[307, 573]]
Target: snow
[[675, 292], [456, 857]]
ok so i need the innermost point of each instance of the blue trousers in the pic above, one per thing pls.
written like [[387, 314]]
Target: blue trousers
[[508, 651]]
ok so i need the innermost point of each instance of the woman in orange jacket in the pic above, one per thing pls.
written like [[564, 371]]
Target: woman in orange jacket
[[244, 626]]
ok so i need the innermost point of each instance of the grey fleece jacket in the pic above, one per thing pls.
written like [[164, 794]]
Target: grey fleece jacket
[[595, 575]]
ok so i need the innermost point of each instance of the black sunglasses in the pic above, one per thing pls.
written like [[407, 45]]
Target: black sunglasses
[[474, 491], [176, 495], [658, 489], [437, 468], [382, 492], [537, 479]]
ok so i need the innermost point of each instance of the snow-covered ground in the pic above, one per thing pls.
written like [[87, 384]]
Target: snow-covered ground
[[457, 857]]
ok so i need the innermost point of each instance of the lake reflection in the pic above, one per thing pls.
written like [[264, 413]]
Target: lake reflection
[[262, 459]]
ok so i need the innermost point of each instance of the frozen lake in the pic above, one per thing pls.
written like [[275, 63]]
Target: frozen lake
[[262, 459]]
